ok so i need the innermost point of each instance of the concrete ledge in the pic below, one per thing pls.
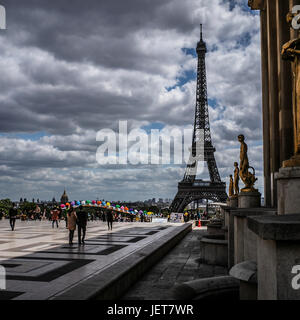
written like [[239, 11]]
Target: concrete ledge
[[215, 228], [225, 287], [283, 227], [245, 271], [253, 212], [288, 173], [214, 249], [115, 280]]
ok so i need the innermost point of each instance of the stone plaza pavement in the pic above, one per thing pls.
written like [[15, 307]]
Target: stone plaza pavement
[[41, 265], [180, 265]]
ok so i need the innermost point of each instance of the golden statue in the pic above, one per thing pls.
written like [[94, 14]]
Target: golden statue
[[230, 191], [236, 179], [247, 177], [291, 52]]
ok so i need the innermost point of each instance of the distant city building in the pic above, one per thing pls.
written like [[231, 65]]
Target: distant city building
[[64, 198]]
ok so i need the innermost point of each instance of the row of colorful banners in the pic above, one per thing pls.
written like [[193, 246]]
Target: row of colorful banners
[[104, 205]]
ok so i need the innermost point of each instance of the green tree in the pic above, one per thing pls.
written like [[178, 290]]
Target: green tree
[[5, 205], [27, 206]]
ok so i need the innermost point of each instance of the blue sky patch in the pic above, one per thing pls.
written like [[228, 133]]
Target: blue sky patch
[[212, 103], [25, 136], [189, 75], [190, 51], [244, 40], [152, 126]]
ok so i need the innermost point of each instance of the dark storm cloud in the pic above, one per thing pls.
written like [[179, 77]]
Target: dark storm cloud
[[85, 26], [54, 43], [71, 67]]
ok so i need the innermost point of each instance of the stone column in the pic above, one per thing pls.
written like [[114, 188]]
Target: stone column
[[262, 6], [265, 107], [245, 250], [285, 85], [288, 179], [273, 96], [229, 233], [245, 246], [278, 254]]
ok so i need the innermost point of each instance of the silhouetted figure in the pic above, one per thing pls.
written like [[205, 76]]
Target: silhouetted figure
[[82, 218], [13, 212], [109, 216]]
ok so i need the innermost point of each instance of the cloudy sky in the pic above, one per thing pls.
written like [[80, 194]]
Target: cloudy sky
[[72, 68]]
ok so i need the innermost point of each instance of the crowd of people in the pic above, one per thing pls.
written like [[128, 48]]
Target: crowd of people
[[77, 217], [194, 216], [74, 217]]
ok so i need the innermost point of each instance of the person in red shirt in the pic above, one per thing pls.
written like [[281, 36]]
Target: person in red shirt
[[54, 215]]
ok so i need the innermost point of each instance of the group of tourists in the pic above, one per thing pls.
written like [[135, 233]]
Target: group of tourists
[[78, 218], [74, 218]]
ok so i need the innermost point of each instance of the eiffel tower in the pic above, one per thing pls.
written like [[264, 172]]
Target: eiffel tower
[[191, 189]]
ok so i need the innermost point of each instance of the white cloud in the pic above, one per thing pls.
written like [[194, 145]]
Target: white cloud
[[71, 80]]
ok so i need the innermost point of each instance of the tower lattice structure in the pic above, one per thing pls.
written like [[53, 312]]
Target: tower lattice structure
[[191, 189]]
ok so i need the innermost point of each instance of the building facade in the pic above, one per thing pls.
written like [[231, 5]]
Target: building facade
[[277, 90]]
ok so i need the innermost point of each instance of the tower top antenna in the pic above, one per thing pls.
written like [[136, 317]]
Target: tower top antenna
[[201, 35]]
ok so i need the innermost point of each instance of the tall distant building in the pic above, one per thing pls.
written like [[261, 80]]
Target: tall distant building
[[191, 188], [64, 198]]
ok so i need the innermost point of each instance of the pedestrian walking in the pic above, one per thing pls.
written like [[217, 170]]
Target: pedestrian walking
[[109, 217], [72, 217], [82, 218], [37, 213], [54, 216], [13, 212]]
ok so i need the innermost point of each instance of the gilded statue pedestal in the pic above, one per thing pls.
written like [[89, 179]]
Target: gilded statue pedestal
[[288, 190], [293, 162], [251, 199], [233, 201]]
